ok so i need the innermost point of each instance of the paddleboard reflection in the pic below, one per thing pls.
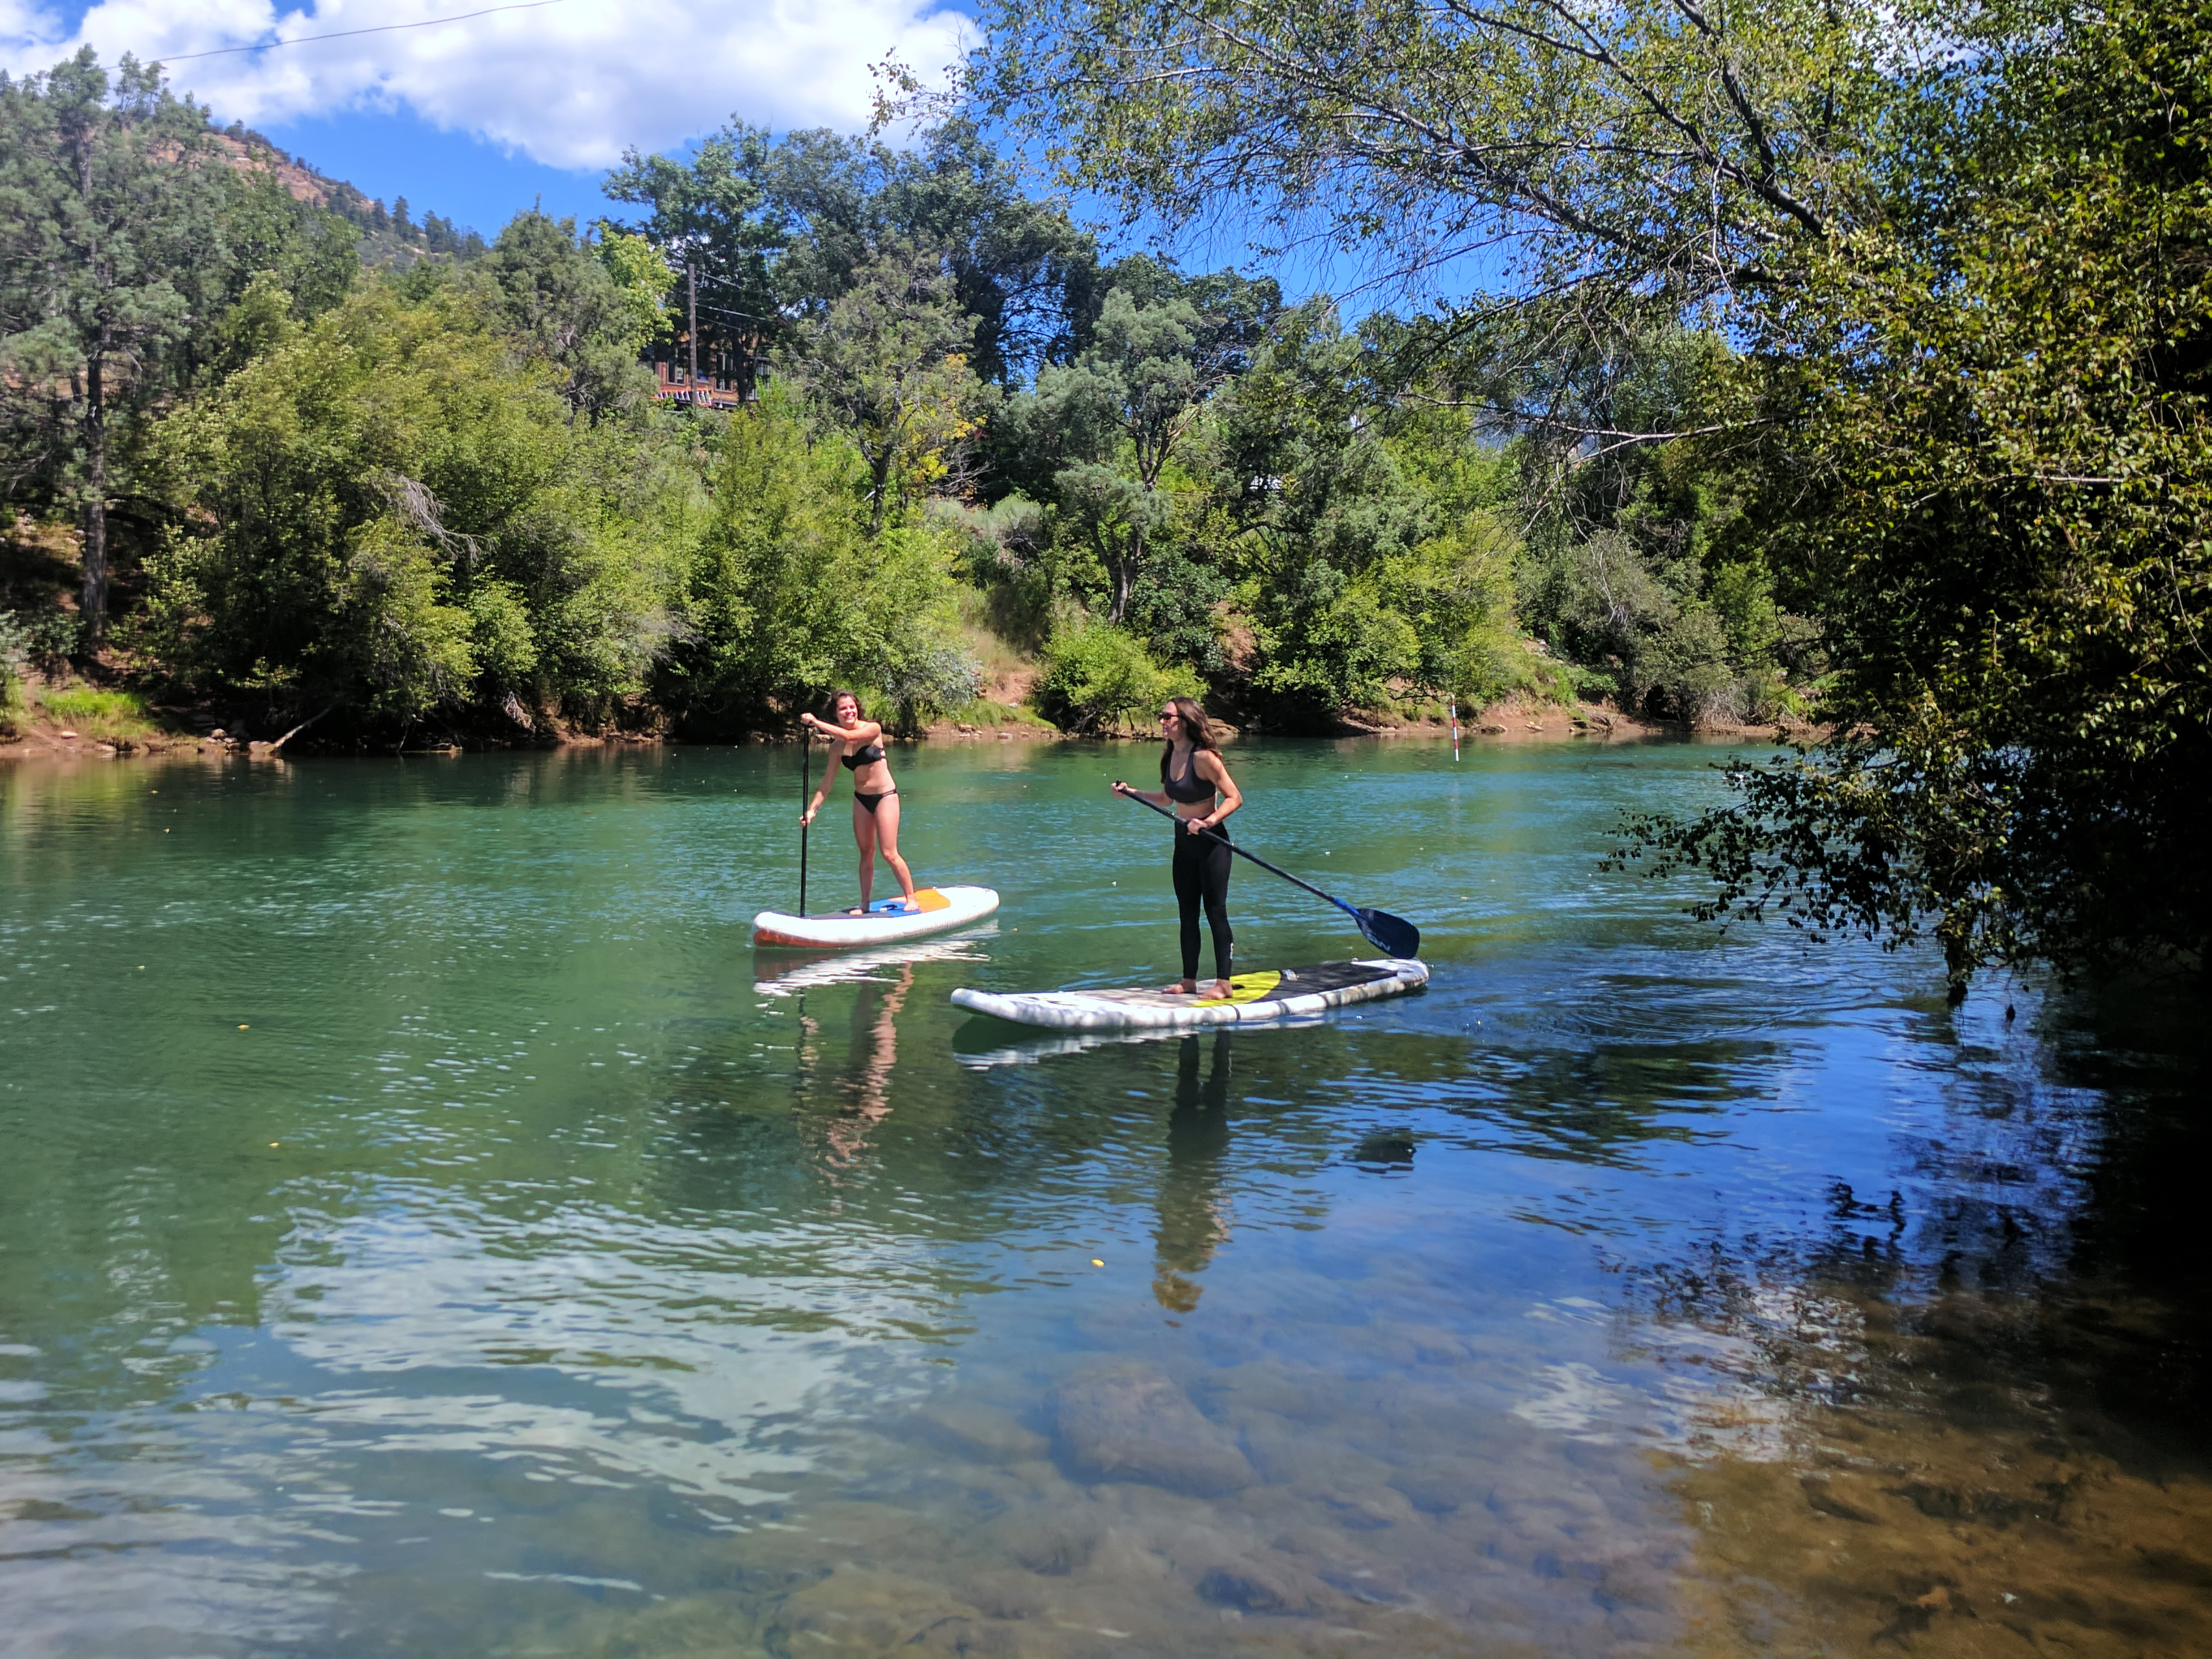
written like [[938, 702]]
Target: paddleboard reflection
[[786, 973], [981, 1042]]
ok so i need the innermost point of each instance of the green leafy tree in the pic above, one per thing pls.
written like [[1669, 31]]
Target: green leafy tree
[[1099, 679], [788, 598], [1123, 412], [1323, 508], [389, 514], [710, 220], [888, 362], [552, 290], [1991, 450], [109, 204], [1605, 150]]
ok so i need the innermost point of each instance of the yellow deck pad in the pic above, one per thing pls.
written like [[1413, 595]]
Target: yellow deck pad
[[1242, 988]]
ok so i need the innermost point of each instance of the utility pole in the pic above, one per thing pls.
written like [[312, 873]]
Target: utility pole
[[691, 271]]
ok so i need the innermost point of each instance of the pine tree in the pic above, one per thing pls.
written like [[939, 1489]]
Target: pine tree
[[107, 211]]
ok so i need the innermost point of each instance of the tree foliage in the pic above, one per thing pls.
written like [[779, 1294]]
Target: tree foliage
[[1998, 409], [790, 596], [393, 518]]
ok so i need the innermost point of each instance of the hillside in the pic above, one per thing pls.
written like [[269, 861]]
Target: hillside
[[391, 237]]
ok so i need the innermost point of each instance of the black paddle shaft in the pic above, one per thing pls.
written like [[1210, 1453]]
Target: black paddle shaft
[[806, 800], [1394, 935]]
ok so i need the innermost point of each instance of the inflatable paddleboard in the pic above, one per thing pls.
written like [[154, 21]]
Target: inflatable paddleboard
[[938, 909], [1276, 994]]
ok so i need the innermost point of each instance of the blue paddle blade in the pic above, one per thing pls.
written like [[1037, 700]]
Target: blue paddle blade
[[1394, 936]]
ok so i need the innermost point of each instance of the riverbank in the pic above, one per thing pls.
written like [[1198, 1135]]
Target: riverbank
[[51, 738]]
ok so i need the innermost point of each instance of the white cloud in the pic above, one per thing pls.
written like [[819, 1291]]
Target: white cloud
[[568, 84]]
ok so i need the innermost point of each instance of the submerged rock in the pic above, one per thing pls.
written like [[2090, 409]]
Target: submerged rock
[[984, 1433], [1128, 1421], [860, 1611]]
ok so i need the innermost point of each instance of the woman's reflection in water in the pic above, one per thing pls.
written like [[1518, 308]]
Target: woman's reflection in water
[[866, 1086], [1193, 1219]]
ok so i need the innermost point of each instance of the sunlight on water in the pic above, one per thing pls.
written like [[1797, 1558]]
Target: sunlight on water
[[429, 1227]]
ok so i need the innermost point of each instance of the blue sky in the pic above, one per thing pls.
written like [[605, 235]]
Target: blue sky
[[477, 117]]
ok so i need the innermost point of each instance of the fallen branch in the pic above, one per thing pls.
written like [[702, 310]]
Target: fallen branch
[[300, 727]]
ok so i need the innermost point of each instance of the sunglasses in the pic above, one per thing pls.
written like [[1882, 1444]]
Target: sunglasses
[[1170, 715]]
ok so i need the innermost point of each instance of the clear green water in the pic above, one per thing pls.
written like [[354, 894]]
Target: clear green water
[[427, 1226]]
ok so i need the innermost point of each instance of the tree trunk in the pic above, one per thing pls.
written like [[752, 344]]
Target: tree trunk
[[1123, 568], [879, 474], [94, 602]]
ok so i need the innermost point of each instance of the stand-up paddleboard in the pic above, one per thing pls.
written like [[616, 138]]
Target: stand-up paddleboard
[[938, 909], [1275, 995]]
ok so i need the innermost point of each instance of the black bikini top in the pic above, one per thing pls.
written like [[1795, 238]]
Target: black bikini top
[[867, 756], [1191, 789]]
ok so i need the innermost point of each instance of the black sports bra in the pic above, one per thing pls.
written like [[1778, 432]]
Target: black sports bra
[[1192, 789], [867, 756]]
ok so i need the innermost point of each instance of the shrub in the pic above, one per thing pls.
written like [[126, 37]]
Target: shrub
[[1098, 678]]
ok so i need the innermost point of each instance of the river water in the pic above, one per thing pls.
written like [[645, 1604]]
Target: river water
[[428, 1226]]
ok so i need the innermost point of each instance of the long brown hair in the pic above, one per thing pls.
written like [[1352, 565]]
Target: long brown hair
[[1196, 727]]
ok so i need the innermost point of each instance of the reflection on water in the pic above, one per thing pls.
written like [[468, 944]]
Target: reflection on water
[[429, 1227], [1194, 1222]]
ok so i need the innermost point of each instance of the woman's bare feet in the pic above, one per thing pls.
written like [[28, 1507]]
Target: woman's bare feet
[[1223, 990], [1182, 987]]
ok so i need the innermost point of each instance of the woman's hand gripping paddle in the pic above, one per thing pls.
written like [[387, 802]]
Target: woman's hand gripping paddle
[[1394, 936]]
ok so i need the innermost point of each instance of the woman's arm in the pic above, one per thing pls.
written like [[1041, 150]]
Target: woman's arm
[[829, 782], [1210, 767], [863, 732], [1158, 798]]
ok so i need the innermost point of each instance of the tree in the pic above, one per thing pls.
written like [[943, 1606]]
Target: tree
[[107, 205], [552, 290], [1990, 456], [1323, 510], [1125, 408], [389, 514], [710, 222], [888, 361], [1603, 151], [788, 598], [1021, 269]]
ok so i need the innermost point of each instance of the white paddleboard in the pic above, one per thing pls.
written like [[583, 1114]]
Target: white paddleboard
[[1275, 995], [937, 909]]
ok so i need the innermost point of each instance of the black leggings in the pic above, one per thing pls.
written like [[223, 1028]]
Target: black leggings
[[1201, 872]]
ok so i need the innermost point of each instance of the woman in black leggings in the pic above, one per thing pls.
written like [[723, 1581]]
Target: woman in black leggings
[[1196, 786]]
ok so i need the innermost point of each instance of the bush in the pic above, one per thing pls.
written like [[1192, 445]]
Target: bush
[[1097, 678]]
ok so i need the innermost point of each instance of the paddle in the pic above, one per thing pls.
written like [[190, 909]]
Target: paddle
[[806, 796], [1394, 936]]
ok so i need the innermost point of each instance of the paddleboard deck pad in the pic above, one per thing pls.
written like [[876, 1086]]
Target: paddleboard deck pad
[[1276, 994], [936, 909]]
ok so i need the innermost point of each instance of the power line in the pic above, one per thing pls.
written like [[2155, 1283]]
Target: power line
[[343, 35]]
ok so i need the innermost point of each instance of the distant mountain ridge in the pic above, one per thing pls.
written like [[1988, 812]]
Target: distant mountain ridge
[[390, 237]]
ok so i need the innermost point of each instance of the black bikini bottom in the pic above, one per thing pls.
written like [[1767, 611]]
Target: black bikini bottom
[[871, 802]]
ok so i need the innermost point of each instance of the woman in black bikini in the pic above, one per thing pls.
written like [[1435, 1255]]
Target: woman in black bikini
[[859, 744], [1197, 788]]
